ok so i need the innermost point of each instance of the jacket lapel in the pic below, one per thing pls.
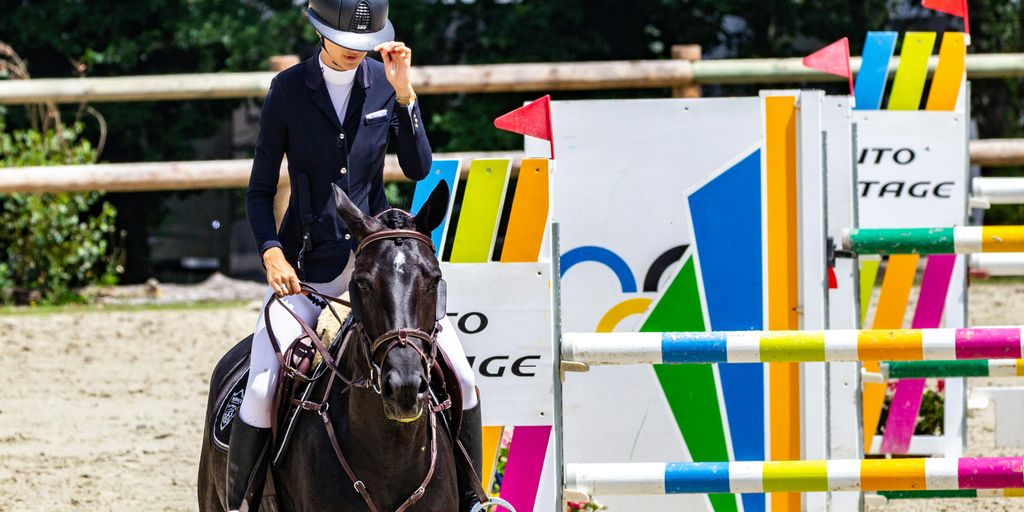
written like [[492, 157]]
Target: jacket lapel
[[318, 92], [356, 109]]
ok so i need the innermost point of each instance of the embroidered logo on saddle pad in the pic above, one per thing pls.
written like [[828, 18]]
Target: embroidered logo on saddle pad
[[227, 411], [231, 408]]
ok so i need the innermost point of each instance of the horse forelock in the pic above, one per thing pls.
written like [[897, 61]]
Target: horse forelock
[[397, 219]]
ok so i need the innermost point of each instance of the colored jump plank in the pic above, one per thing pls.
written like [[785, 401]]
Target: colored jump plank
[[892, 305], [792, 346], [949, 74], [529, 216], [951, 369], [874, 70], [442, 172], [481, 208], [908, 84], [939, 474], [954, 240]]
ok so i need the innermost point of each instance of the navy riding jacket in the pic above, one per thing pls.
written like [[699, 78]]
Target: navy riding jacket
[[298, 120]]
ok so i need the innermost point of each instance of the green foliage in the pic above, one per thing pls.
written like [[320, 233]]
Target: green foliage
[[929, 416], [499, 469], [67, 37], [51, 243], [399, 194]]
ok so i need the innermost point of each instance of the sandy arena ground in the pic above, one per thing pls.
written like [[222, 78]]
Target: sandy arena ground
[[103, 410]]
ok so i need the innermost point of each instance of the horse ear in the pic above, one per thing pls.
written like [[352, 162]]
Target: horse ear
[[432, 214], [358, 223]]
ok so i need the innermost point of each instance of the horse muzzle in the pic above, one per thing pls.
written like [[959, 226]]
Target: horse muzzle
[[405, 396]]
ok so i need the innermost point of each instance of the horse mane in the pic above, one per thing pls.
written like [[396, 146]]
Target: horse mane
[[397, 219]]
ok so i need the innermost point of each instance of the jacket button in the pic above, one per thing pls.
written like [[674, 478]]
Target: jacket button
[[341, 136], [347, 236], [343, 170]]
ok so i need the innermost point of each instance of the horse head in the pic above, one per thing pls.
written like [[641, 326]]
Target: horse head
[[398, 297]]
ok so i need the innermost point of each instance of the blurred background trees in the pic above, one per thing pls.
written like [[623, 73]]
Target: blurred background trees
[[65, 38]]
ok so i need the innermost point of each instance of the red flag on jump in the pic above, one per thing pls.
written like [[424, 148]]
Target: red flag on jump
[[833, 59], [533, 119], [954, 7]]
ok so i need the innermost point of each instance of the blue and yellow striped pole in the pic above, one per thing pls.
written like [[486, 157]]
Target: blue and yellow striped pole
[[937, 474], [792, 346]]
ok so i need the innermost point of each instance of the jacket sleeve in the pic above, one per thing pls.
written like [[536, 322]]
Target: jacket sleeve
[[271, 144], [414, 153]]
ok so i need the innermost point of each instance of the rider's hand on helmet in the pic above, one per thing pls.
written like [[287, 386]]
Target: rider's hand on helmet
[[280, 275], [397, 58]]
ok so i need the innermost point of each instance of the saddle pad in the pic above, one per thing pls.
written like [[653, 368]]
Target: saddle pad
[[227, 408]]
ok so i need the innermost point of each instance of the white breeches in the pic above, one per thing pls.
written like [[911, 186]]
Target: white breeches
[[263, 364]]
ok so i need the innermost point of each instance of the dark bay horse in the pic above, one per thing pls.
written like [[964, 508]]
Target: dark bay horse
[[382, 423]]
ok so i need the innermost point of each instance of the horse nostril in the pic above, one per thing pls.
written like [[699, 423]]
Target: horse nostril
[[424, 386], [388, 389]]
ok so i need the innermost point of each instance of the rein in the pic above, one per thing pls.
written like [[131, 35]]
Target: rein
[[388, 341]]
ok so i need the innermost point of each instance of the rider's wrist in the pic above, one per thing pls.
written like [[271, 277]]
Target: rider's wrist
[[271, 253], [406, 98]]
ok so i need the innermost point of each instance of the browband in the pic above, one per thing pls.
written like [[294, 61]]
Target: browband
[[395, 233]]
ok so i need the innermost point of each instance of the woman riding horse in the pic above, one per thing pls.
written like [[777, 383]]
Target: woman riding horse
[[332, 115]]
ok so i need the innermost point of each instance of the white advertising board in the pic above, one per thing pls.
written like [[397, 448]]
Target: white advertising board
[[911, 168], [624, 168], [502, 312]]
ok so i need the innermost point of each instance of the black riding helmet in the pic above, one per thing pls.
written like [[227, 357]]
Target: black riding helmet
[[355, 24]]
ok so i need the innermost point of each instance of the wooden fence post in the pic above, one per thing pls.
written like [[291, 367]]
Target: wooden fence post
[[690, 52]]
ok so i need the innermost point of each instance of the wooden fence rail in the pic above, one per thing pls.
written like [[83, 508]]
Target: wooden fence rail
[[197, 175], [997, 152], [484, 78], [151, 176]]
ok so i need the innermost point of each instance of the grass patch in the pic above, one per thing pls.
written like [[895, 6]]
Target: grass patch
[[105, 308]]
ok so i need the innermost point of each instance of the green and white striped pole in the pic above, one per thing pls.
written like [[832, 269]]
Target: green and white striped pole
[[953, 240], [952, 369], [957, 493]]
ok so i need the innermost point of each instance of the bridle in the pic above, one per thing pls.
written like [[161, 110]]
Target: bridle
[[383, 344], [399, 337]]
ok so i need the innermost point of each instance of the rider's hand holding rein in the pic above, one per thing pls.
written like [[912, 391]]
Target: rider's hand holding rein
[[397, 58], [280, 275]]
